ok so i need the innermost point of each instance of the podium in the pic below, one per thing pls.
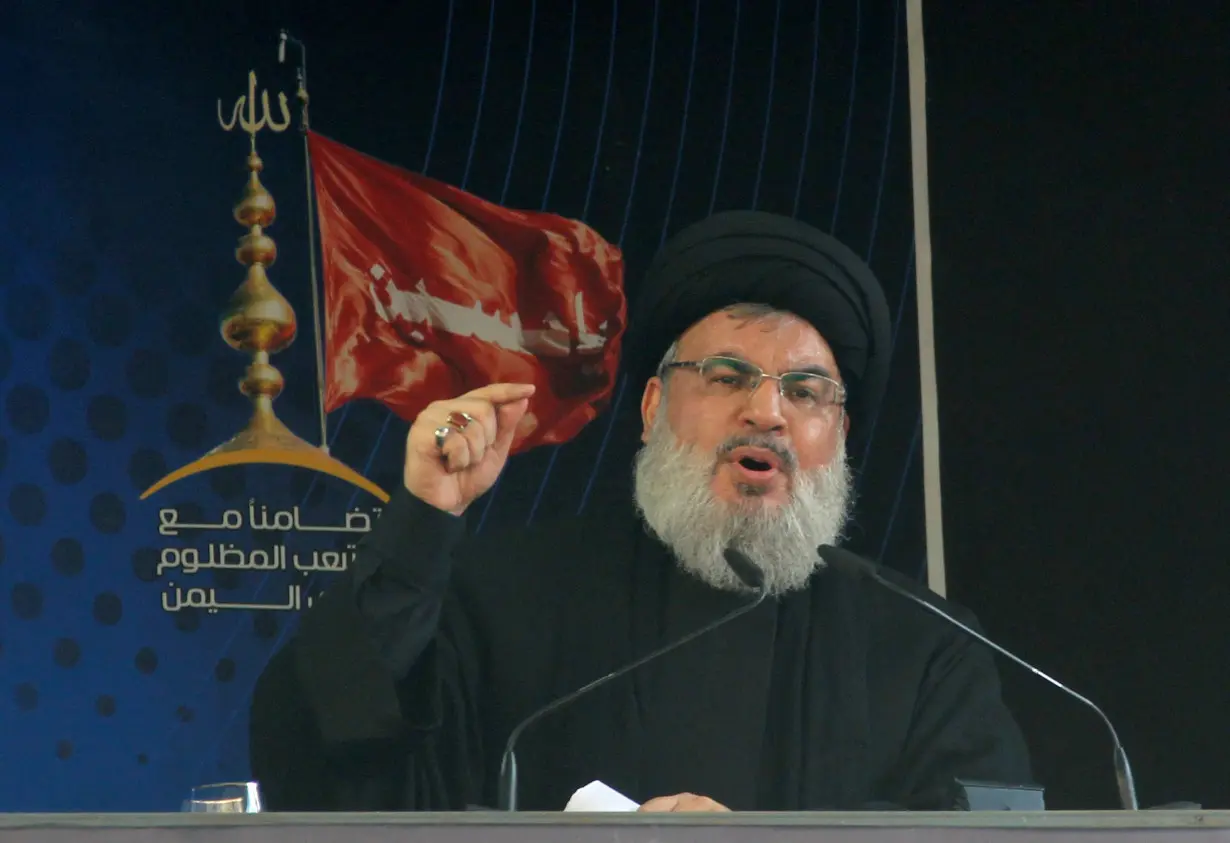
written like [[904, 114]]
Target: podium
[[482, 827]]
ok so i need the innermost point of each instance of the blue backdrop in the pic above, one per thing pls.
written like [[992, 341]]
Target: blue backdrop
[[116, 260]]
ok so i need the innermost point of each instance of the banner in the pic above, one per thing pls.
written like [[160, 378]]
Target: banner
[[431, 292], [222, 308]]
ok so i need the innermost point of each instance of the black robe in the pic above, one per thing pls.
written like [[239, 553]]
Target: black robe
[[406, 677]]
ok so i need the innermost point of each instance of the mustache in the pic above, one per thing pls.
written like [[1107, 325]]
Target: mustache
[[769, 443]]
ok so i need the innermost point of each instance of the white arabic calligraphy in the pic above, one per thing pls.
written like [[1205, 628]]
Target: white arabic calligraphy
[[207, 598], [228, 555], [418, 307], [189, 559], [283, 521]]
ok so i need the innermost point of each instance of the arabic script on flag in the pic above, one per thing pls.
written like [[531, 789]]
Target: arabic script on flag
[[431, 292]]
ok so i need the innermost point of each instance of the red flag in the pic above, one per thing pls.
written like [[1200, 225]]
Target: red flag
[[431, 292]]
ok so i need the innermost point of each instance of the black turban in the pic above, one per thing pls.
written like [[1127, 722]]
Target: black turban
[[754, 257]]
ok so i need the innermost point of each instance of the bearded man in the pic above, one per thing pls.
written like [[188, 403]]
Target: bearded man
[[765, 342]]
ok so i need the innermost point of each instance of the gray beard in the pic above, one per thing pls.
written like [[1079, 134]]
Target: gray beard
[[674, 496]]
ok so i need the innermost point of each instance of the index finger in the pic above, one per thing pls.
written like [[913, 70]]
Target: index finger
[[502, 393]]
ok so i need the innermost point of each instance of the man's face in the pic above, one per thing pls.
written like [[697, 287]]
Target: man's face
[[790, 437]]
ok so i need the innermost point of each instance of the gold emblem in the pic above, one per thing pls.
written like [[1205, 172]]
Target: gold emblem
[[260, 322]]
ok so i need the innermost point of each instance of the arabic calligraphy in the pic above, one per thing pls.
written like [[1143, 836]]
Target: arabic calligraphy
[[247, 119], [286, 520], [228, 554], [207, 598], [190, 560], [418, 310]]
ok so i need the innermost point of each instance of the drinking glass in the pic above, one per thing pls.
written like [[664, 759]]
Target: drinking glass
[[225, 798]]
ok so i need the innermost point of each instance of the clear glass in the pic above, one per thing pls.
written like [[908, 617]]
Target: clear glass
[[224, 798]]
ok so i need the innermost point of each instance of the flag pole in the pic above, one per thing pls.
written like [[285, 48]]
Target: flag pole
[[304, 125], [930, 414]]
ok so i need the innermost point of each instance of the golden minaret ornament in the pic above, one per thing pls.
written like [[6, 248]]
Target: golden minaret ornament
[[260, 322]]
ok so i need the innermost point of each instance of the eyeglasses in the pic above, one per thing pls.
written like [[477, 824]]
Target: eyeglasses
[[807, 391]]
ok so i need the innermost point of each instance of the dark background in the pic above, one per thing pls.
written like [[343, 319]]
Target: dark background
[[1080, 200], [1082, 294]]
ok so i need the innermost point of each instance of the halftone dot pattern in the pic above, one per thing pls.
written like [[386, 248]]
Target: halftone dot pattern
[[25, 696], [145, 564], [28, 312], [113, 372], [220, 384], [145, 468], [147, 373], [186, 425], [107, 417], [27, 601], [75, 269], [146, 660], [110, 319], [187, 334], [27, 409], [229, 483], [108, 609], [27, 504], [226, 579], [188, 620], [68, 364], [149, 285], [265, 626], [67, 652], [107, 512], [67, 461], [67, 557]]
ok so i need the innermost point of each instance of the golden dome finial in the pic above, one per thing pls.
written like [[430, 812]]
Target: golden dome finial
[[260, 322], [258, 319]]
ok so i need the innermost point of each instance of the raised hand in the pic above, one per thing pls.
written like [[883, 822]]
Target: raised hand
[[476, 433]]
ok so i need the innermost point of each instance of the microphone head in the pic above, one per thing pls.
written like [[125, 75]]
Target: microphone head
[[846, 562], [744, 568]]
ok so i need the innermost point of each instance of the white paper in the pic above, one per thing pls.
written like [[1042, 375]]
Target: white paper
[[597, 797]]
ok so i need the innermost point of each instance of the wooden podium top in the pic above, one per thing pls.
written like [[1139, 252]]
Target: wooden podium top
[[495, 827]]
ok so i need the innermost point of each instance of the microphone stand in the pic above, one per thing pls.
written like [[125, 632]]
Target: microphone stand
[[1123, 770], [742, 566]]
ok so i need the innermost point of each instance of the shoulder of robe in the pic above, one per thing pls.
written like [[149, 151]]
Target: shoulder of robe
[[900, 617], [571, 552]]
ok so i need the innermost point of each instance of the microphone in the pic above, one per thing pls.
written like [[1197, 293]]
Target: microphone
[[844, 560], [744, 568], [282, 47]]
